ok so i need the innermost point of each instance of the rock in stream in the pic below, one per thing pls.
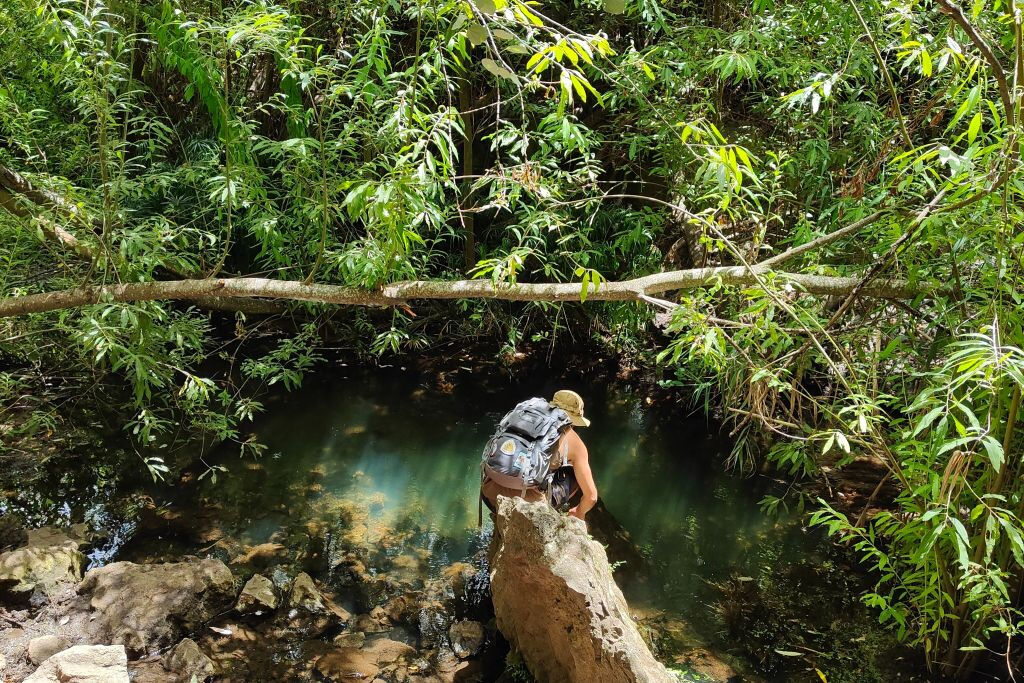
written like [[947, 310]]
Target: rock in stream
[[556, 602]]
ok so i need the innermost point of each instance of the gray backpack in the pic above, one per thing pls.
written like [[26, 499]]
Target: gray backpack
[[519, 454]]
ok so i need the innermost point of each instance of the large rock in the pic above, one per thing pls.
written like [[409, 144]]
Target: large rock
[[257, 596], [304, 595], [146, 607], [49, 562], [310, 612], [12, 531], [556, 602], [84, 664]]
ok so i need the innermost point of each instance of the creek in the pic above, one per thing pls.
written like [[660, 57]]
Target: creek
[[388, 463]]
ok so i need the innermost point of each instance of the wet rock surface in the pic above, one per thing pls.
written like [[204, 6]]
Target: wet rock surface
[[467, 637], [84, 664], [556, 602], [305, 596], [258, 595], [381, 656]]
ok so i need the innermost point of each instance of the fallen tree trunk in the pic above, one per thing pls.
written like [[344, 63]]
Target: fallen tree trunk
[[402, 292]]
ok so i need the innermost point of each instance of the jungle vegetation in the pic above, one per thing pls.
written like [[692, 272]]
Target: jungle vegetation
[[819, 200]]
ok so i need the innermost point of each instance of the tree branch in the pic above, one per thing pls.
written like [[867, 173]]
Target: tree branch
[[820, 241], [961, 20], [16, 184], [13, 185], [400, 292]]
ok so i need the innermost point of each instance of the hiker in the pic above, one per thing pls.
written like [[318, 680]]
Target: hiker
[[536, 454]]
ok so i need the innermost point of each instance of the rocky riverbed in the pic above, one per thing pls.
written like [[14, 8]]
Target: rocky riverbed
[[207, 617], [369, 611]]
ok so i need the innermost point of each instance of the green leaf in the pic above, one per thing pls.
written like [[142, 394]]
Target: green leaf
[[994, 450], [497, 69], [615, 6], [477, 34], [962, 541], [927, 420], [974, 127]]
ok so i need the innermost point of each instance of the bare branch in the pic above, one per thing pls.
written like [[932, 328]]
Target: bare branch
[[400, 292], [820, 241]]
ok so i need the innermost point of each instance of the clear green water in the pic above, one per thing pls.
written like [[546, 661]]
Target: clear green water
[[408, 455], [412, 455]]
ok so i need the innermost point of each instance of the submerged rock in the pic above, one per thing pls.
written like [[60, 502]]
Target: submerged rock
[[257, 595], [346, 663], [84, 664], [189, 661], [262, 555], [556, 602], [405, 608], [42, 648], [146, 607], [367, 623], [467, 637], [382, 656], [350, 639], [707, 665], [304, 595]]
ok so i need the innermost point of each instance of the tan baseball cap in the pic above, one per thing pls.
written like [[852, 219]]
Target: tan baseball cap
[[572, 404]]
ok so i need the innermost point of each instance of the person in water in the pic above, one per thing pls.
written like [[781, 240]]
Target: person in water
[[572, 482]]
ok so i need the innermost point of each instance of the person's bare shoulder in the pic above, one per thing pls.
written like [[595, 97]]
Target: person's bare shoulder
[[576, 445]]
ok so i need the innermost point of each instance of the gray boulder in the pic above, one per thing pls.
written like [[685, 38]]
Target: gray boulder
[[84, 664], [555, 600], [147, 607], [51, 561]]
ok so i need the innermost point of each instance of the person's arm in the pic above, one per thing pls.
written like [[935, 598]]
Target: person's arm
[[584, 477]]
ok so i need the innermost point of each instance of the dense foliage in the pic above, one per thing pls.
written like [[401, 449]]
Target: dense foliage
[[363, 143]]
